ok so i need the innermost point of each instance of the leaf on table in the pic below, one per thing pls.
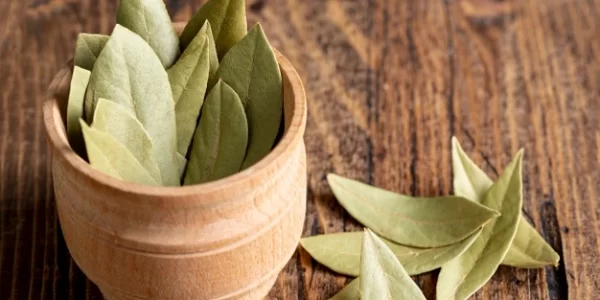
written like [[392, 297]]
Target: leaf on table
[[419, 222], [79, 83], [227, 19], [251, 69], [113, 119], [469, 180], [340, 252], [109, 156], [381, 274], [129, 73], [188, 78], [150, 20], [221, 137], [463, 276], [529, 249], [88, 48], [349, 292]]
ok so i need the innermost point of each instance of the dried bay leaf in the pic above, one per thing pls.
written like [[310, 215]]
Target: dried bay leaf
[[340, 252], [182, 163], [109, 156], [227, 19], [221, 137], [88, 48], [150, 20], [469, 180], [129, 73], [188, 79], [251, 69], [213, 57], [113, 119], [79, 83], [463, 276], [381, 274], [349, 292], [529, 249], [413, 221]]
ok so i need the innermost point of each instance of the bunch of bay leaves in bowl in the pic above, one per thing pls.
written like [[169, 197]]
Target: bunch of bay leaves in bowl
[[178, 157], [468, 235]]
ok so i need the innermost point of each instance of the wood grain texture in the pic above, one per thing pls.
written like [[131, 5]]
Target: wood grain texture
[[388, 83]]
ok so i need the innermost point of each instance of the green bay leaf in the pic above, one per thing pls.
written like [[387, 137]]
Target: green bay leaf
[[79, 83], [188, 79], [129, 73], [88, 48], [113, 119], [349, 292], [150, 20], [251, 69], [221, 137], [419, 222], [109, 156], [340, 252], [463, 276], [529, 249], [381, 274], [227, 19]]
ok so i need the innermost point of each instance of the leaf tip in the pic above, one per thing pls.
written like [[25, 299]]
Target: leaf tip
[[454, 141], [83, 123], [368, 232], [331, 178], [303, 242]]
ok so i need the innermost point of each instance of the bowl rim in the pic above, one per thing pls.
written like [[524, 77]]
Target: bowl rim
[[56, 134]]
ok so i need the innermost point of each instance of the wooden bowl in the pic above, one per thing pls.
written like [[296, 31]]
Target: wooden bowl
[[226, 239]]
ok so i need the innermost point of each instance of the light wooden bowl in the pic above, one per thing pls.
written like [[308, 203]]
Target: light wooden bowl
[[226, 239]]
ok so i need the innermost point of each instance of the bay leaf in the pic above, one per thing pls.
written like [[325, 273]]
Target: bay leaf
[[413, 221], [129, 73], [113, 119], [221, 137], [349, 292], [463, 276], [188, 78], [107, 155], [182, 163], [197, 42], [381, 274], [79, 83], [529, 249], [251, 69], [340, 252], [88, 48], [227, 19], [469, 180], [150, 20], [213, 58]]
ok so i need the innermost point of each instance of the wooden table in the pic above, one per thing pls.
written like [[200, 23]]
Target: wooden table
[[389, 83]]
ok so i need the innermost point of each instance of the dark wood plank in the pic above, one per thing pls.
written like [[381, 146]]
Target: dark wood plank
[[388, 82]]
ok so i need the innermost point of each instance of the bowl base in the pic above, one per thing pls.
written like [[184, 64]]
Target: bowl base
[[260, 292]]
